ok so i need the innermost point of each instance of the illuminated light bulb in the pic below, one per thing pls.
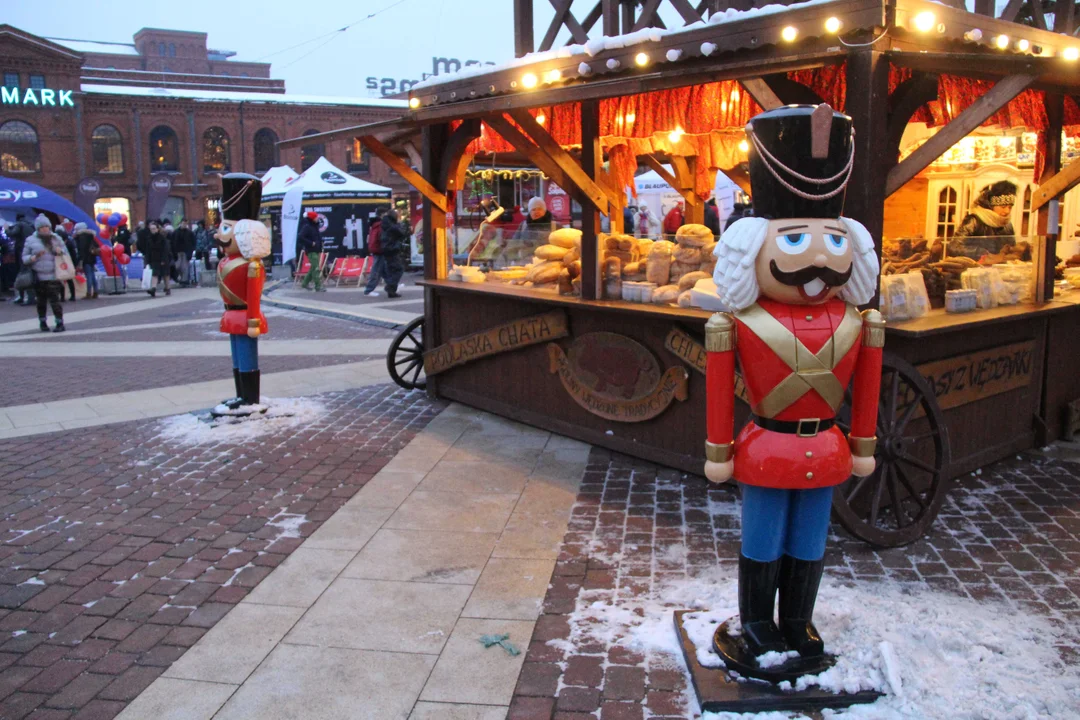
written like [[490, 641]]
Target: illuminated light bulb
[[675, 135], [553, 76], [789, 33], [744, 146], [541, 118], [630, 117], [414, 102], [925, 21], [735, 95], [1071, 54], [641, 59], [584, 69], [974, 35], [1022, 45], [1002, 41], [612, 64], [832, 25], [528, 81], [723, 106]]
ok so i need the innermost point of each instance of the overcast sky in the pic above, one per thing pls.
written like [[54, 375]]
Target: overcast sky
[[399, 42]]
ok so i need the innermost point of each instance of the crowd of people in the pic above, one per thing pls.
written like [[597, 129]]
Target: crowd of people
[[387, 241]]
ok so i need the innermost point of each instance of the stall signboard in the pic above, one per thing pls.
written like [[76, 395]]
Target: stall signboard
[[41, 97], [558, 202], [343, 227], [686, 348], [964, 379], [499, 339], [616, 378]]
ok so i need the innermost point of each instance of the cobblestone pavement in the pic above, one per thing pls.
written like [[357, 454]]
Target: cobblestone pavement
[[120, 549], [1010, 533]]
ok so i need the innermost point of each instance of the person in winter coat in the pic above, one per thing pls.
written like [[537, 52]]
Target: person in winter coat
[[88, 250], [73, 253], [123, 236], [310, 242], [628, 219], [987, 226], [674, 220], [388, 265], [40, 252], [712, 217], [18, 233], [203, 243], [7, 263], [158, 256], [538, 221], [183, 245], [647, 225]]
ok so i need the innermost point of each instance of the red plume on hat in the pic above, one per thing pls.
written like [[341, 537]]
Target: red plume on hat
[[311, 215]]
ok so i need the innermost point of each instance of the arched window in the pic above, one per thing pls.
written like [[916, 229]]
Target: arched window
[[19, 149], [310, 153], [266, 152], [172, 50], [107, 149], [215, 150], [164, 149], [947, 207], [161, 49], [356, 157]]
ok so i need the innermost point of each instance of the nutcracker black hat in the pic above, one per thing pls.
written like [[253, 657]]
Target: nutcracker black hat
[[241, 196], [800, 161]]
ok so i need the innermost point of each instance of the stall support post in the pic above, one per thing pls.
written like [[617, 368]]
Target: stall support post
[[1047, 226], [868, 106], [591, 160], [523, 27], [435, 138]]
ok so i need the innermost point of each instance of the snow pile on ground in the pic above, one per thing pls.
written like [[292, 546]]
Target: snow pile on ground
[[282, 414], [933, 655]]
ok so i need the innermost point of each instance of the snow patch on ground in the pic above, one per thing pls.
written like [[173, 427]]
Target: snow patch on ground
[[935, 656], [288, 523], [283, 414]]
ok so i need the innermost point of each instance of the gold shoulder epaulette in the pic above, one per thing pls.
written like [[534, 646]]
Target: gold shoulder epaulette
[[873, 329]]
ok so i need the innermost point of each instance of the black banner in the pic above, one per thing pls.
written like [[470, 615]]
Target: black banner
[[160, 187], [343, 227], [86, 192]]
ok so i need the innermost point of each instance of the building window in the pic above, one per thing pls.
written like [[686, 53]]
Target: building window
[[356, 157], [173, 211], [19, 150], [172, 50], [108, 149], [215, 150], [164, 149], [37, 82], [266, 152], [310, 153], [161, 49], [244, 74], [11, 79]]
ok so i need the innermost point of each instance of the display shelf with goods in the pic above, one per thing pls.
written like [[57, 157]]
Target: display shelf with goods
[[940, 113]]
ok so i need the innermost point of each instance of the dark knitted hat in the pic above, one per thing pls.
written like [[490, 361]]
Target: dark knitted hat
[[1000, 194]]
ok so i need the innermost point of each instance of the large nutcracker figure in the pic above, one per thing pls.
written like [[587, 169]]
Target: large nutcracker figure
[[244, 240], [792, 275]]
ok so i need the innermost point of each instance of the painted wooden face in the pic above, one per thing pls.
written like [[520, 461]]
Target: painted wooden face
[[225, 238], [804, 261]]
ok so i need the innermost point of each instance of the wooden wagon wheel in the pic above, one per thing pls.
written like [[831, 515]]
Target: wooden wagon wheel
[[405, 358], [897, 503]]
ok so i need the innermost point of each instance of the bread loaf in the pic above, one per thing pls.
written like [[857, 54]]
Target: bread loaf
[[665, 295], [545, 272], [565, 237], [687, 281], [574, 268], [571, 256], [708, 260], [679, 269], [608, 242], [551, 252], [612, 267], [659, 264], [687, 255], [508, 274], [627, 243], [684, 299], [643, 247], [693, 235], [631, 269], [565, 286]]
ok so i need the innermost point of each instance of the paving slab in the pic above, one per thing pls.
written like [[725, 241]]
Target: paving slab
[[469, 673], [510, 589], [423, 556], [172, 699], [301, 579]]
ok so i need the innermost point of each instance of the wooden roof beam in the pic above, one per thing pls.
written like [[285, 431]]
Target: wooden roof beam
[[761, 92], [670, 179], [522, 144], [586, 186], [962, 125], [436, 198], [1061, 183]]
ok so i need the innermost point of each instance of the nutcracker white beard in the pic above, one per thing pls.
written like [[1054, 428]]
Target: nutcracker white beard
[[738, 248], [249, 237]]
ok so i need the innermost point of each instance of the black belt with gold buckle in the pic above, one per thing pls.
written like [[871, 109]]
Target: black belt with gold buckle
[[235, 307], [807, 427]]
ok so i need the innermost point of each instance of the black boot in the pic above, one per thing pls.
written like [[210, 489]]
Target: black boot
[[249, 387], [44, 326], [757, 595], [234, 402], [799, 581], [59, 326]]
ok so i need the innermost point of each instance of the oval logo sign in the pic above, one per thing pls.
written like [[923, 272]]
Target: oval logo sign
[[333, 178], [162, 183], [90, 186]]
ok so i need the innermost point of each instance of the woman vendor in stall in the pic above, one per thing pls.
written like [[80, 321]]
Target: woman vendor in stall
[[988, 226]]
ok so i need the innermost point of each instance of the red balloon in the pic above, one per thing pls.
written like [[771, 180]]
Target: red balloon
[[105, 233], [124, 259], [118, 250], [123, 218]]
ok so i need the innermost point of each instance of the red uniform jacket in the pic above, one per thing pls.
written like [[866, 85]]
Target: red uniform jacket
[[240, 282], [797, 362]]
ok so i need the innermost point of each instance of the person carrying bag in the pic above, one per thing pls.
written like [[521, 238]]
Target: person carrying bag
[[48, 259]]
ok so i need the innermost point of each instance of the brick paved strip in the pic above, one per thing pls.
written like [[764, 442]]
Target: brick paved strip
[[120, 551]]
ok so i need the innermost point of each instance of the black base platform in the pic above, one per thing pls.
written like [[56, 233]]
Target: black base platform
[[718, 691], [733, 651]]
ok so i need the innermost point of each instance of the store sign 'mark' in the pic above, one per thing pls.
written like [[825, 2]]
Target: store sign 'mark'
[[43, 97]]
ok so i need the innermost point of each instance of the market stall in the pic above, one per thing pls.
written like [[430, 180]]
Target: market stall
[[599, 335], [346, 205]]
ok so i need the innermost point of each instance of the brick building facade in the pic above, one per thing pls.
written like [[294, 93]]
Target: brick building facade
[[165, 103]]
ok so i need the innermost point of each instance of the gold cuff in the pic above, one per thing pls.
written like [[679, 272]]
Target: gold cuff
[[873, 329], [720, 333], [718, 453], [862, 447], [253, 323], [253, 269]]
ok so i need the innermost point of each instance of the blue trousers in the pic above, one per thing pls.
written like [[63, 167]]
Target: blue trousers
[[784, 522], [245, 352]]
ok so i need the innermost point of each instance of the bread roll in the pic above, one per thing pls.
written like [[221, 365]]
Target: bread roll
[[679, 269], [708, 260], [565, 237], [659, 264], [574, 268], [688, 280], [631, 269], [612, 267], [608, 242], [686, 255], [573, 255], [565, 286], [551, 252], [627, 244], [693, 235], [545, 272], [665, 295], [684, 299], [643, 247], [661, 248]]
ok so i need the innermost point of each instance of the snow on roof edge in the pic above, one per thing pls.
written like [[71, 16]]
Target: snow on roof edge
[[223, 96]]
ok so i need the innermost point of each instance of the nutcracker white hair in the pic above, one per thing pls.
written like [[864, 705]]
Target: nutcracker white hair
[[736, 253], [252, 238]]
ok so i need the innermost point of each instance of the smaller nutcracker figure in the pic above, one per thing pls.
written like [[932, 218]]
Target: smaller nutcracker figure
[[794, 276], [244, 241]]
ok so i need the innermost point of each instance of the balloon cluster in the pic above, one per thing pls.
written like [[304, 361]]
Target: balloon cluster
[[109, 223]]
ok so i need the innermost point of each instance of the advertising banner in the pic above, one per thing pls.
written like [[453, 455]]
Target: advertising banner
[[343, 227], [558, 202], [86, 192], [160, 187], [290, 221]]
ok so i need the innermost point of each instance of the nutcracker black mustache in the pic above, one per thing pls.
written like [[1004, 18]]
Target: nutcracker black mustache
[[800, 277]]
